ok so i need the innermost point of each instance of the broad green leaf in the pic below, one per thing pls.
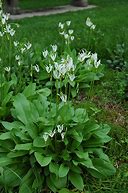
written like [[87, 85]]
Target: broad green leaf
[[4, 161], [80, 116], [5, 136], [58, 182], [39, 142], [105, 168], [54, 168], [64, 190], [44, 91], [14, 154], [25, 147], [82, 155], [63, 170], [24, 188], [43, 161], [10, 126], [76, 180], [30, 90], [66, 112]]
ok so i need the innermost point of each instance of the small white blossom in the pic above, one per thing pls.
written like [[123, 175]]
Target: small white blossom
[[1, 34], [83, 55], [49, 68], [72, 38], [45, 136], [60, 128], [53, 56], [54, 48], [95, 60], [23, 50], [17, 57], [28, 45], [88, 22], [62, 33], [45, 53], [37, 69], [63, 97], [52, 133], [93, 27], [7, 69], [62, 135], [61, 25], [71, 77], [70, 31], [66, 36], [16, 43], [56, 74], [68, 23]]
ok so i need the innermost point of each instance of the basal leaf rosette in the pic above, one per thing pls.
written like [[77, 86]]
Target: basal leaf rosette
[[59, 142]]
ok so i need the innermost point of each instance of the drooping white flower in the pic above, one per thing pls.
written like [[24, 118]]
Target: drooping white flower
[[52, 133], [45, 53], [95, 60], [66, 36], [37, 69], [16, 43], [28, 45], [23, 50], [93, 27], [63, 135], [7, 69], [49, 68], [83, 55], [56, 74], [54, 48], [88, 22], [71, 77], [61, 25], [45, 136], [1, 34], [53, 57], [17, 57], [72, 38], [63, 97], [68, 23], [12, 32], [60, 128], [70, 31]]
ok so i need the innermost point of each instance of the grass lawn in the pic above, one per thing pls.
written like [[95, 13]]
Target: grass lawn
[[110, 18]]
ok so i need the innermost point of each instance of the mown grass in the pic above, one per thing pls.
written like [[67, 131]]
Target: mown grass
[[110, 18]]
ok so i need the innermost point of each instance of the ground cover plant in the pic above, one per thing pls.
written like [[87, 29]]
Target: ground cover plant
[[44, 132]]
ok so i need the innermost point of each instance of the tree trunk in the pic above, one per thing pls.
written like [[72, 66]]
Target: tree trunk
[[11, 6], [80, 3]]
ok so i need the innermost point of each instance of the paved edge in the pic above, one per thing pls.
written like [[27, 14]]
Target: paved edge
[[57, 10]]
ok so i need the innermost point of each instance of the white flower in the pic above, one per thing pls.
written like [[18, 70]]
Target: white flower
[[60, 128], [12, 32], [95, 60], [68, 23], [54, 48], [61, 25], [37, 69], [93, 27], [4, 18], [63, 97], [19, 63], [88, 22], [16, 43], [71, 77], [72, 38], [70, 31], [56, 74], [49, 68], [61, 33], [45, 136], [1, 34], [45, 53], [62, 135], [66, 36], [53, 56], [69, 64], [52, 133], [23, 50], [28, 45], [17, 57], [7, 69], [83, 55]]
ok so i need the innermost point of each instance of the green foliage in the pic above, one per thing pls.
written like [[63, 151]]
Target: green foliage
[[59, 147]]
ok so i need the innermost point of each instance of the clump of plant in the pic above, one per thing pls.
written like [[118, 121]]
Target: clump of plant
[[49, 143]]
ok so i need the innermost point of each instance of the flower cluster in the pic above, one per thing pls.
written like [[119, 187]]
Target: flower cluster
[[90, 24], [91, 59], [66, 32], [4, 27], [59, 68], [58, 130]]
